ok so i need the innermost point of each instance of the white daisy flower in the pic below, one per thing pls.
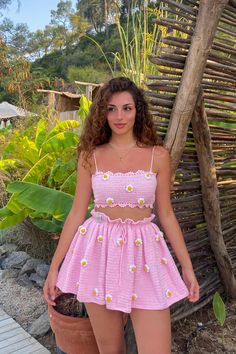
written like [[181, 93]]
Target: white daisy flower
[[129, 188], [141, 201], [120, 241], [95, 292], [146, 268], [84, 262], [147, 175], [105, 176], [132, 268], [100, 238], [168, 293], [82, 230], [109, 200], [164, 260], [138, 242], [108, 297]]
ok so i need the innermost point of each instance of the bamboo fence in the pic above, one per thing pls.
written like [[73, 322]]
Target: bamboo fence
[[218, 84]]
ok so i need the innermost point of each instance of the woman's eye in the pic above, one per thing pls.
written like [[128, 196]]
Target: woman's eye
[[110, 109], [128, 108]]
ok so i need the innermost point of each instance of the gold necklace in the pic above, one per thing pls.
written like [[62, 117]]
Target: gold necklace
[[122, 157]]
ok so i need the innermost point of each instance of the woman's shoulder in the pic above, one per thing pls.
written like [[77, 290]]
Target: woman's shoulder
[[161, 158], [161, 152]]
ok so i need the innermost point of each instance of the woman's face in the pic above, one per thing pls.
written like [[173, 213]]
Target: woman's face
[[121, 113]]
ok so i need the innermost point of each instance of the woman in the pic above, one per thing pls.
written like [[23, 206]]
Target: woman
[[117, 260]]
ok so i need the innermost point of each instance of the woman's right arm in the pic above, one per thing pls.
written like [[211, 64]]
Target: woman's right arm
[[75, 218]]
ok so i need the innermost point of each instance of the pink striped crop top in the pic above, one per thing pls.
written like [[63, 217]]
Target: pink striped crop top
[[133, 189]]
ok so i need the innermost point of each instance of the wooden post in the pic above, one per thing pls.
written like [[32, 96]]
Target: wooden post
[[206, 24], [210, 195]]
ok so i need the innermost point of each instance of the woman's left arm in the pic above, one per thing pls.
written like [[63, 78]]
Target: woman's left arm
[[169, 222]]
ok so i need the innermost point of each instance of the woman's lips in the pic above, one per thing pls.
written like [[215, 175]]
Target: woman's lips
[[119, 126]]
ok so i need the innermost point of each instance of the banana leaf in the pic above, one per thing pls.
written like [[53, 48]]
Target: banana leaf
[[60, 141], [47, 225], [13, 219], [61, 127], [42, 199], [41, 133]]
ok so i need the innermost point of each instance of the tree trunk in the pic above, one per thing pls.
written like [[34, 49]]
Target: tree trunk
[[206, 24], [210, 196]]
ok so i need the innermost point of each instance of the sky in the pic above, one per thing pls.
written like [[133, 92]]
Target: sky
[[36, 13]]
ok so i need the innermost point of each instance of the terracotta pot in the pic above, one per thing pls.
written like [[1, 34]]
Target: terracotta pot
[[74, 335]]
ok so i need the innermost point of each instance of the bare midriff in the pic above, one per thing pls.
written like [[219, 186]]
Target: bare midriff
[[116, 212]]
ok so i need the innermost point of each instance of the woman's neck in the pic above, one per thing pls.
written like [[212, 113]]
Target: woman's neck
[[122, 141]]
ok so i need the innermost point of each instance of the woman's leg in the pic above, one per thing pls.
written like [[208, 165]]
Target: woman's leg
[[152, 330], [108, 328]]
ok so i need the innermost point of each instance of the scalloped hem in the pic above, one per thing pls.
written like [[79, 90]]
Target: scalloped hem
[[102, 216], [123, 205], [138, 172]]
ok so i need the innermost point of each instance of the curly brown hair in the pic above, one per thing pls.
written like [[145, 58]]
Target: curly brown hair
[[97, 131]]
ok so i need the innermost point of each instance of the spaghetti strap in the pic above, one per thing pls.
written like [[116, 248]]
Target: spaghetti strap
[[95, 161], [152, 158]]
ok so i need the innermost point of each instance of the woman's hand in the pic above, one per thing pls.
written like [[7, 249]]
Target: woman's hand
[[191, 283], [49, 289]]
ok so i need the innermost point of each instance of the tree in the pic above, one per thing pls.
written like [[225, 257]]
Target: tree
[[61, 19]]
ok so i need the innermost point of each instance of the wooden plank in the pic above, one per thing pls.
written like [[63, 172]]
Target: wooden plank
[[14, 339], [32, 349], [12, 333], [8, 327]]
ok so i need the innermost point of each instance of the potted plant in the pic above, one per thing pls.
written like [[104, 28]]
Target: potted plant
[[71, 326]]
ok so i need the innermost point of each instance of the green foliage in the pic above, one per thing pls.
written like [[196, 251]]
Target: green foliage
[[219, 308], [87, 74], [45, 192], [219, 311]]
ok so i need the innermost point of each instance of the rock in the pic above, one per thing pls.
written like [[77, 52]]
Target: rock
[[24, 280], [15, 260], [37, 279], [1, 260], [7, 248], [42, 270], [8, 273], [40, 326], [30, 266]]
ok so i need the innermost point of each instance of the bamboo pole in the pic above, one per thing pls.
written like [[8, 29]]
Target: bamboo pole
[[206, 25], [210, 195]]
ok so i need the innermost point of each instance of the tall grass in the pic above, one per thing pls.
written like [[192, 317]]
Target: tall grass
[[139, 38]]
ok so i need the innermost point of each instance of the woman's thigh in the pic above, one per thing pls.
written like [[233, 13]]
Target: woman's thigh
[[108, 328], [152, 330]]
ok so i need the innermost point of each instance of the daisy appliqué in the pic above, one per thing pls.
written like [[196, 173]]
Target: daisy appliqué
[[147, 175], [141, 201], [120, 241], [138, 242], [146, 268], [83, 262], [159, 236], [100, 238], [129, 188], [134, 297], [109, 200], [164, 260], [82, 230], [132, 268], [95, 292], [168, 293], [105, 176], [108, 297]]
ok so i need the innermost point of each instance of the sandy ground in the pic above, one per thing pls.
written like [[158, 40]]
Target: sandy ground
[[197, 334]]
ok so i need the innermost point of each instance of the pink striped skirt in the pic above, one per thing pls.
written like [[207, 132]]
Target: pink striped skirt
[[122, 264]]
